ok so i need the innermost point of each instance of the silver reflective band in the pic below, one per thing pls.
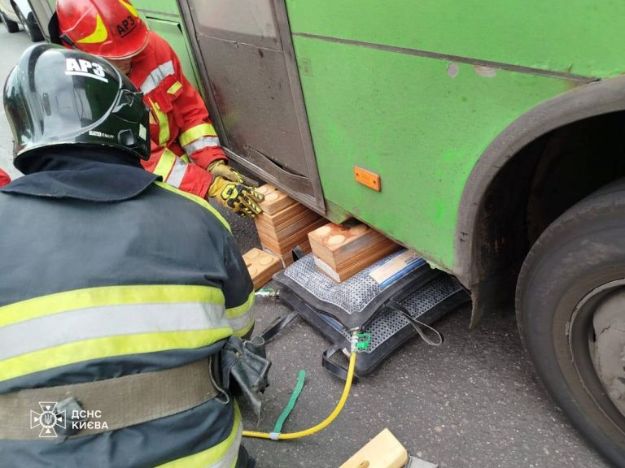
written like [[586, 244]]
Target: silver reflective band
[[201, 143], [157, 75], [177, 173], [241, 322], [100, 322]]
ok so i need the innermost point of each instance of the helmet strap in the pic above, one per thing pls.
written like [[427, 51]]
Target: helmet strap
[[65, 38]]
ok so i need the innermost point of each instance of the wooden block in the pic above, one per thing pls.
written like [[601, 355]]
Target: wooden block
[[383, 451], [279, 220], [327, 269], [358, 263], [284, 224], [285, 227], [287, 257], [284, 246], [261, 266], [296, 226], [332, 243], [348, 249], [275, 200]]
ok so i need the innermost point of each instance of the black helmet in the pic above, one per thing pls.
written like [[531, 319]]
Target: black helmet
[[57, 96]]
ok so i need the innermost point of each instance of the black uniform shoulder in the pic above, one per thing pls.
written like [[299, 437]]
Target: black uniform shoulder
[[193, 203]]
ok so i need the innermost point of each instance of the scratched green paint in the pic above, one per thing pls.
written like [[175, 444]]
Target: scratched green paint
[[406, 118], [581, 36]]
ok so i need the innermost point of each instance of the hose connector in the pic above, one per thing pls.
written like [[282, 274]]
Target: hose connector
[[268, 293], [360, 341]]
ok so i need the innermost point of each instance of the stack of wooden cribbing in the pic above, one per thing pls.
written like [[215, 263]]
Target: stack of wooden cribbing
[[341, 251], [284, 224]]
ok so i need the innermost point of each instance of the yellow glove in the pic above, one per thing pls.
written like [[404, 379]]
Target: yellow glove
[[220, 168], [239, 198]]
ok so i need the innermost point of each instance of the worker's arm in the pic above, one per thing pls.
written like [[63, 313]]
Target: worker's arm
[[197, 135], [176, 172], [238, 290]]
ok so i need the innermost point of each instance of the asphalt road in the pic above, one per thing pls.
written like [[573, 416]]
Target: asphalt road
[[474, 401]]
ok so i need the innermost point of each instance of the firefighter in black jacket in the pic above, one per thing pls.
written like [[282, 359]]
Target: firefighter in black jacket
[[117, 292]]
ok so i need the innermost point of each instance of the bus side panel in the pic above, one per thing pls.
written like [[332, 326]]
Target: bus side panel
[[571, 36], [420, 123], [172, 32]]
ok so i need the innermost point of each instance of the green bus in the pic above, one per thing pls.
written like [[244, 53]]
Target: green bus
[[494, 130]]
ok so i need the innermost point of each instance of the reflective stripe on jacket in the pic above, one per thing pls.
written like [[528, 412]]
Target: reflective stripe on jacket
[[93, 290], [184, 139]]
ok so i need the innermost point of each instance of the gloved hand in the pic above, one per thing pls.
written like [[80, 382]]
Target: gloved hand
[[240, 198], [220, 168]]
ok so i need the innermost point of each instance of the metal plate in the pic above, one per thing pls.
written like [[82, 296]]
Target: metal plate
[[252, 90], [246, 59]]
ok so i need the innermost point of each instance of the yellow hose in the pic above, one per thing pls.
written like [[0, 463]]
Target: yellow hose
[[323, 424]]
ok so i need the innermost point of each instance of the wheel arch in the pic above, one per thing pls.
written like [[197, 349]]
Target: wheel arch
[[518, 145]]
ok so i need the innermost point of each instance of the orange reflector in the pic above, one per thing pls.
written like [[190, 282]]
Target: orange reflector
[[368, 178]]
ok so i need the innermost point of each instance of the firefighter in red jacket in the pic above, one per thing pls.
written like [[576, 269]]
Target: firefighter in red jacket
[[4, 178], [186, 151]]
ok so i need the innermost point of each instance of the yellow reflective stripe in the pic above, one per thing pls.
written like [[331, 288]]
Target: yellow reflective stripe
[[241, 317], [165, 164], [106, 296], [244, 330], [196, 199], [163, 123], [222, 455], [173, 89], [196, 132], [102, 348], [235, 312], [130, 8], [99, 34]]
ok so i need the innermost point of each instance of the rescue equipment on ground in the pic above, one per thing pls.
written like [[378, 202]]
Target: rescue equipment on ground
[[393, 300], [367, 317], [354, 349]]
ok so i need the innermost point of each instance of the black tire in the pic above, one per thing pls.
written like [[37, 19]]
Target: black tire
[[11, 26], [30, 25], [576, 264]]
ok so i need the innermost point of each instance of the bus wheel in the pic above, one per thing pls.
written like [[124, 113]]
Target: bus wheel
[[570, 306]]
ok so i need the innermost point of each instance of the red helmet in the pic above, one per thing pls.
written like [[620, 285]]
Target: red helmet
[[107, 28]]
